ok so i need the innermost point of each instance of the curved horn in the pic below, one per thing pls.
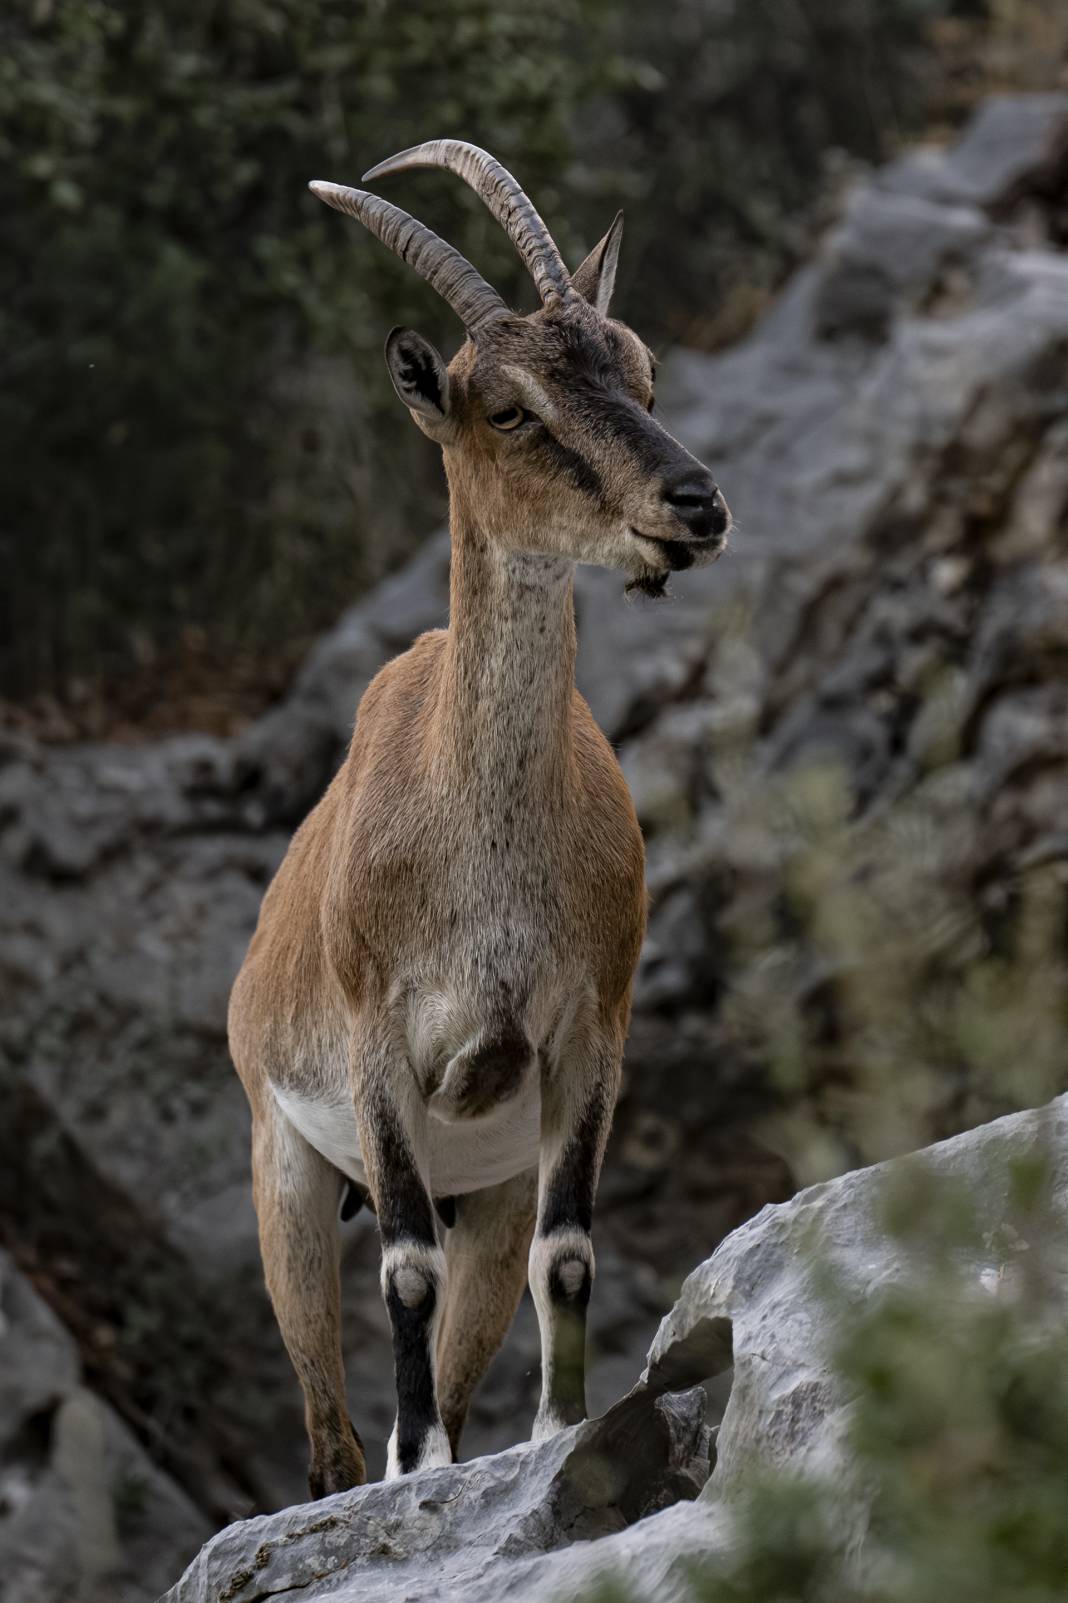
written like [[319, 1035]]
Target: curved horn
[[495, 185], [473, 300]]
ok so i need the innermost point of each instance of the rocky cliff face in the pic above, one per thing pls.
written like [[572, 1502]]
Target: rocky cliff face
[[885, 649]]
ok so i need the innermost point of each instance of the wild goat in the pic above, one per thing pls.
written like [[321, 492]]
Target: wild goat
[[434, 1004]]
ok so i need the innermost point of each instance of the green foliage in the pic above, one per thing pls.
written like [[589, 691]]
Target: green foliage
[[889, 968], [753, 102], [957, 1441], [194, 412], [880, 985], [186, 440]]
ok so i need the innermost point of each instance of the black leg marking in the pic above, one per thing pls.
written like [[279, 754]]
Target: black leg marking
[[404, 1208], [561, 1256], [413, 1280], [570, 1283], [569, 1195], [417, 1406]]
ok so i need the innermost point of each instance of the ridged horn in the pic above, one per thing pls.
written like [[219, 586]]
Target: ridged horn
[[494, 185], [475, 302]]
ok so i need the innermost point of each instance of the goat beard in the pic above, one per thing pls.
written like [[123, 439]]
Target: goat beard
[[648, 583]]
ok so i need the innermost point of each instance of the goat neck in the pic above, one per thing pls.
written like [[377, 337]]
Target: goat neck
[[509, 669]]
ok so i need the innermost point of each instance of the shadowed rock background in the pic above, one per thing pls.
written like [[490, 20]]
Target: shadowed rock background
[[848, 745]]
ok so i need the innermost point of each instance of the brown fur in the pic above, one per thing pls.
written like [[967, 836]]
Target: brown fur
[[470, 890]]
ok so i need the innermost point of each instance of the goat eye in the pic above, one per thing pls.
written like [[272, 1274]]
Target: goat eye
[[509, 418]]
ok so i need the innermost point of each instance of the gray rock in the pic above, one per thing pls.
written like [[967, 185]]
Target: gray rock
[[83, 1510], [474, 1530], [670, 968], [1013, 141], [891, 252], [788, 1407], [635, 656], [509, 1525]]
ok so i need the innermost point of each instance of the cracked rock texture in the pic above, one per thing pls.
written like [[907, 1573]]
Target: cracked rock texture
[[625, 1487], [476, 1528], [893, 440]]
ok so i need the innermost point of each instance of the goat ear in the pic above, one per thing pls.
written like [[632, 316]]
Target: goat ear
[[596, 278], [419, 376]]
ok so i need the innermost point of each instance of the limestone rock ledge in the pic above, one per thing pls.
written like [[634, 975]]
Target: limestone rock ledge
[[628, 1493]]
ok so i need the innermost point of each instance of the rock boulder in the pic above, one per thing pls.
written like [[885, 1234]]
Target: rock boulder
[[627, 1494]]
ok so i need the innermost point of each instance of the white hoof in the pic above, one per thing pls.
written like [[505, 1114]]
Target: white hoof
[[546, 1425], [434, 1453]]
